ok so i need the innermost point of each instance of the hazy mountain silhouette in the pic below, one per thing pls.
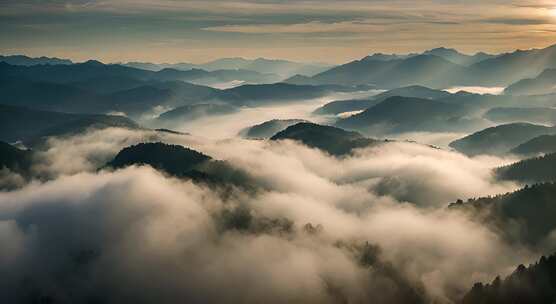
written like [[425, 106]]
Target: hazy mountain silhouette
[[500, 139], [281, 68], [91, 70], [302, 80], [402, 114], [341, 106], [269, 93], [426, 70], [333, 140], [268, 128], [29, 126], [511, 114], [413, 91], [441, 68], [535, 284], [457, 57], [28, 61], [196, 111], [545, 83], [538, 145], [509, 68]]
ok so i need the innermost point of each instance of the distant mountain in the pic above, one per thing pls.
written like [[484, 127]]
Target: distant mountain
[[333, 140], [28, 61], [456, 57], [30, 126], [388, 57], [160, 66], [545, 83], [269, 93], [500, 139], [441, 68], [512, 67], [92, 70], [281, 68], [539, 145], [119, 94], [403, 114], [302, 80], [533, 284], [451, 55], [511, 114], [268, 128], [533, 170], [342, 106], [413, 91], [426, 70], [524, 216], [196, 111]]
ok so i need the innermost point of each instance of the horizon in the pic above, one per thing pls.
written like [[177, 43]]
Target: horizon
[[302, 31], [277, 59]]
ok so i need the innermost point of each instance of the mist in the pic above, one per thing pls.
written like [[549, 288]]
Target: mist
[[138, 235]]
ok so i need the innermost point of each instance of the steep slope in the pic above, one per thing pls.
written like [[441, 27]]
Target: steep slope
[[14, 159], [333, 140], [500, 139], [182, 162], [538, 145], [533, 170], [173, 159], [533, 284], [268, 128], [524, 216]]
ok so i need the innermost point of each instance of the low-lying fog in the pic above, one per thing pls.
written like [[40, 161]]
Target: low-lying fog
[[229, 125], [144, 237]]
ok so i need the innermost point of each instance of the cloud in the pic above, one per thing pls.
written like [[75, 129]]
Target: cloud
[[519, 21], [137, 235]]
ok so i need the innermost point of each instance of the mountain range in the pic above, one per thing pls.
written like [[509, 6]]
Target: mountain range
[[499, 140], [279, 68], [29, 126], [440, 68]]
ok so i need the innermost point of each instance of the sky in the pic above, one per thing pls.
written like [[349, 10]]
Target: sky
[[311, 31]]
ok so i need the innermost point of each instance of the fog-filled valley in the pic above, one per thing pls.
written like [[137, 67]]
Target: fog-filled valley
[[413, 178]]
